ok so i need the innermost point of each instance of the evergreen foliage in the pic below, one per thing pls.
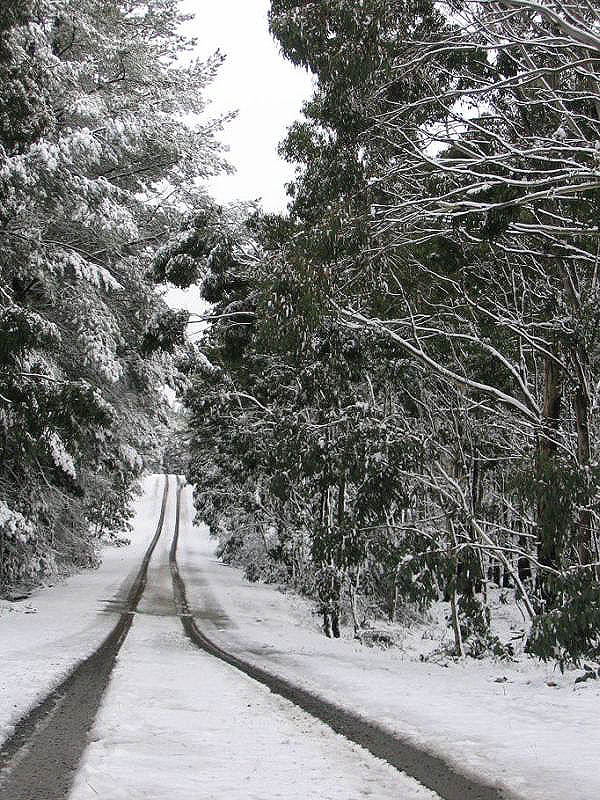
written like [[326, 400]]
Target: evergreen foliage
[[393, 397], [405, 407], [95, 156]]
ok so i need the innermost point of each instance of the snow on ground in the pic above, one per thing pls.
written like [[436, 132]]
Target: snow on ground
[[176, 723], [522, 725], [42, 638], [504, 721], [179, 724]]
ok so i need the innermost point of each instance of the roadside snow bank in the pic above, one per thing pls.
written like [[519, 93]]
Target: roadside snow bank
[[42, 638]]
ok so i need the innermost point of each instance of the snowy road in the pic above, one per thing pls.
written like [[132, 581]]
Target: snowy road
[[178, 723], [174, 721], [43, 638], [39, 760]]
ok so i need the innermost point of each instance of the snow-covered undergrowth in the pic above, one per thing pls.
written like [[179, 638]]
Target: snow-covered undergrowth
[[427, 635]]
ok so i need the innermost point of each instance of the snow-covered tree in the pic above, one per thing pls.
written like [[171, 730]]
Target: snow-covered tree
[[491, 208], [97, 155]]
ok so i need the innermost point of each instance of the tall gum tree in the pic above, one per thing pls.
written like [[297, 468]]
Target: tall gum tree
[[508, 177]]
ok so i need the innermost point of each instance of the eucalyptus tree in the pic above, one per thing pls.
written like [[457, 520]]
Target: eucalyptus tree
[[495, 204], [342, 152], [449, 289]]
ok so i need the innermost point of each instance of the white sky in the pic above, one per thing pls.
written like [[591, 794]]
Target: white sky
[[265, 89], [256, 80]]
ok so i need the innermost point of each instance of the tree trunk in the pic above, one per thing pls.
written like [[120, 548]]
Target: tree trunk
[[335, 623], [353, 589], [458, 642], [341, 509], [548, 546], [325, 506], [394, 606], [585, 534]]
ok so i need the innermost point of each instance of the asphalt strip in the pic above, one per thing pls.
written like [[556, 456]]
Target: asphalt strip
[[39, 760]]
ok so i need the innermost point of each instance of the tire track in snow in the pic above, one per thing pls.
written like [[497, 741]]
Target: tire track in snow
[[38, 761], [430, 770]]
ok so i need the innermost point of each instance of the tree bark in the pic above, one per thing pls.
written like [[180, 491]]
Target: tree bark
[[581, 403], [548, 546]]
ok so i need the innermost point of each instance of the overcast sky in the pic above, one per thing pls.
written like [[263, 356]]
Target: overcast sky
[[255, 79], [265, 89]]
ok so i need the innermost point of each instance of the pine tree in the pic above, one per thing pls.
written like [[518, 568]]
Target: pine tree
[[96, 159]]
